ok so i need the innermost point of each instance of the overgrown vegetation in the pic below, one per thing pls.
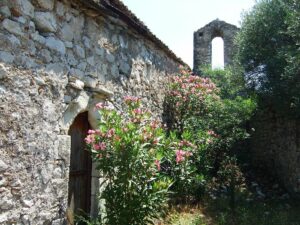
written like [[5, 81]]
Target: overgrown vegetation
[[268, 50], [144, 164], [215, 119]]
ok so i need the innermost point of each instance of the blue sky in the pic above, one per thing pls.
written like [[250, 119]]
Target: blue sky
[[174, 21]]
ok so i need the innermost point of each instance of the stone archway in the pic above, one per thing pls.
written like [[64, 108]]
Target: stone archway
[[203, 39], [80, 175]]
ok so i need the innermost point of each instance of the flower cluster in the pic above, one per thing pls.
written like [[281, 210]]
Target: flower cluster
[[182, 155]]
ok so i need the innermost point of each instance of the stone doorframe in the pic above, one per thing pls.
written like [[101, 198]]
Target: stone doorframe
[[85, 102]]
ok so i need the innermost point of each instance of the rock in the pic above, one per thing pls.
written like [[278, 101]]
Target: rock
[[23, 7], [13, 27], [56, 69], [64, 147], [49, 112], [6, 204], [46, 4], [102, 91], [45, 55], [68, 44], [79, 51], [67, 99], [6, 57], [27, 203], [67, 33], [60, 9], [71, 59], [40, 81], [91, 60], [25, 61], [82, 66], [110, 57], [56, 45], [9, 42], [90, 82], [4, 217], [78, 105], [4, 10], [124, 68], [3, 166], [99, 51], [114, 71], [76, 73], [21, 20], [86, 42], [31, 27], [38, 38], [78, 84], [122, 43], [45, 21]]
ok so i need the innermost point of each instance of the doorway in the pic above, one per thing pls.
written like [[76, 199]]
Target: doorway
[[79, 195]]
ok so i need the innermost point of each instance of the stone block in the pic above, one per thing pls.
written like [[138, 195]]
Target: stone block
[[64, 151], [66, 32], [46, 4], [9, 42], [23, 7], [3, 166], [4, 10], [6, 57], [45, 21], [38, 38], [56, 45], [79, 51], [77, 84], [13, 27]]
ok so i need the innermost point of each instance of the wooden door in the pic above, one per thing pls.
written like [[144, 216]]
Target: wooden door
[[79, 197]]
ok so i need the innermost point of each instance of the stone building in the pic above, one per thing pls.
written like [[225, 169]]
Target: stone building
[[57, 59], [203, 42]]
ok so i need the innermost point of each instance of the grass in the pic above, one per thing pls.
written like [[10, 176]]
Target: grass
[[218, 212], [185, 215]]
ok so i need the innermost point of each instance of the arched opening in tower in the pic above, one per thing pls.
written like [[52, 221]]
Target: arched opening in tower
[[217, 56]]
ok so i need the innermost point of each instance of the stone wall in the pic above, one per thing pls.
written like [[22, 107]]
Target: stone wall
[[276, 148], [203, 43], [57, 59]]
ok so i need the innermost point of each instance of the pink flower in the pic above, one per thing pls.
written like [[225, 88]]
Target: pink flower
[[130, 99], [91, 131], [138, 111], [90, 139], [99, 146], [212, 133], [110, 133], [157, 163], [185, 143], [180, 156], [99, 105], [155, 141]]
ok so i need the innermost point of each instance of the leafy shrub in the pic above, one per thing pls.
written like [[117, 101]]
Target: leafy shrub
[[212, 117], [268, 50], [127, 148]]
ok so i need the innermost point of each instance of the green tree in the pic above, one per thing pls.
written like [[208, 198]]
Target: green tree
[[268, 50]]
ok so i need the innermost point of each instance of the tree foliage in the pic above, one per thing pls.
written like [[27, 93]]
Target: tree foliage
[[268, 50]]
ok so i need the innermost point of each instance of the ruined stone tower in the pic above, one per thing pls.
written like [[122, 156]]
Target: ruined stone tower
[[203, 42]]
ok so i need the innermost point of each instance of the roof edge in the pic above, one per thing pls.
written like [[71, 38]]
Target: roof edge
[[104, 6]]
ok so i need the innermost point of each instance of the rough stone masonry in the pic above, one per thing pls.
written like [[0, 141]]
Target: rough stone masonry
[[203, 43], [57, 59]]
